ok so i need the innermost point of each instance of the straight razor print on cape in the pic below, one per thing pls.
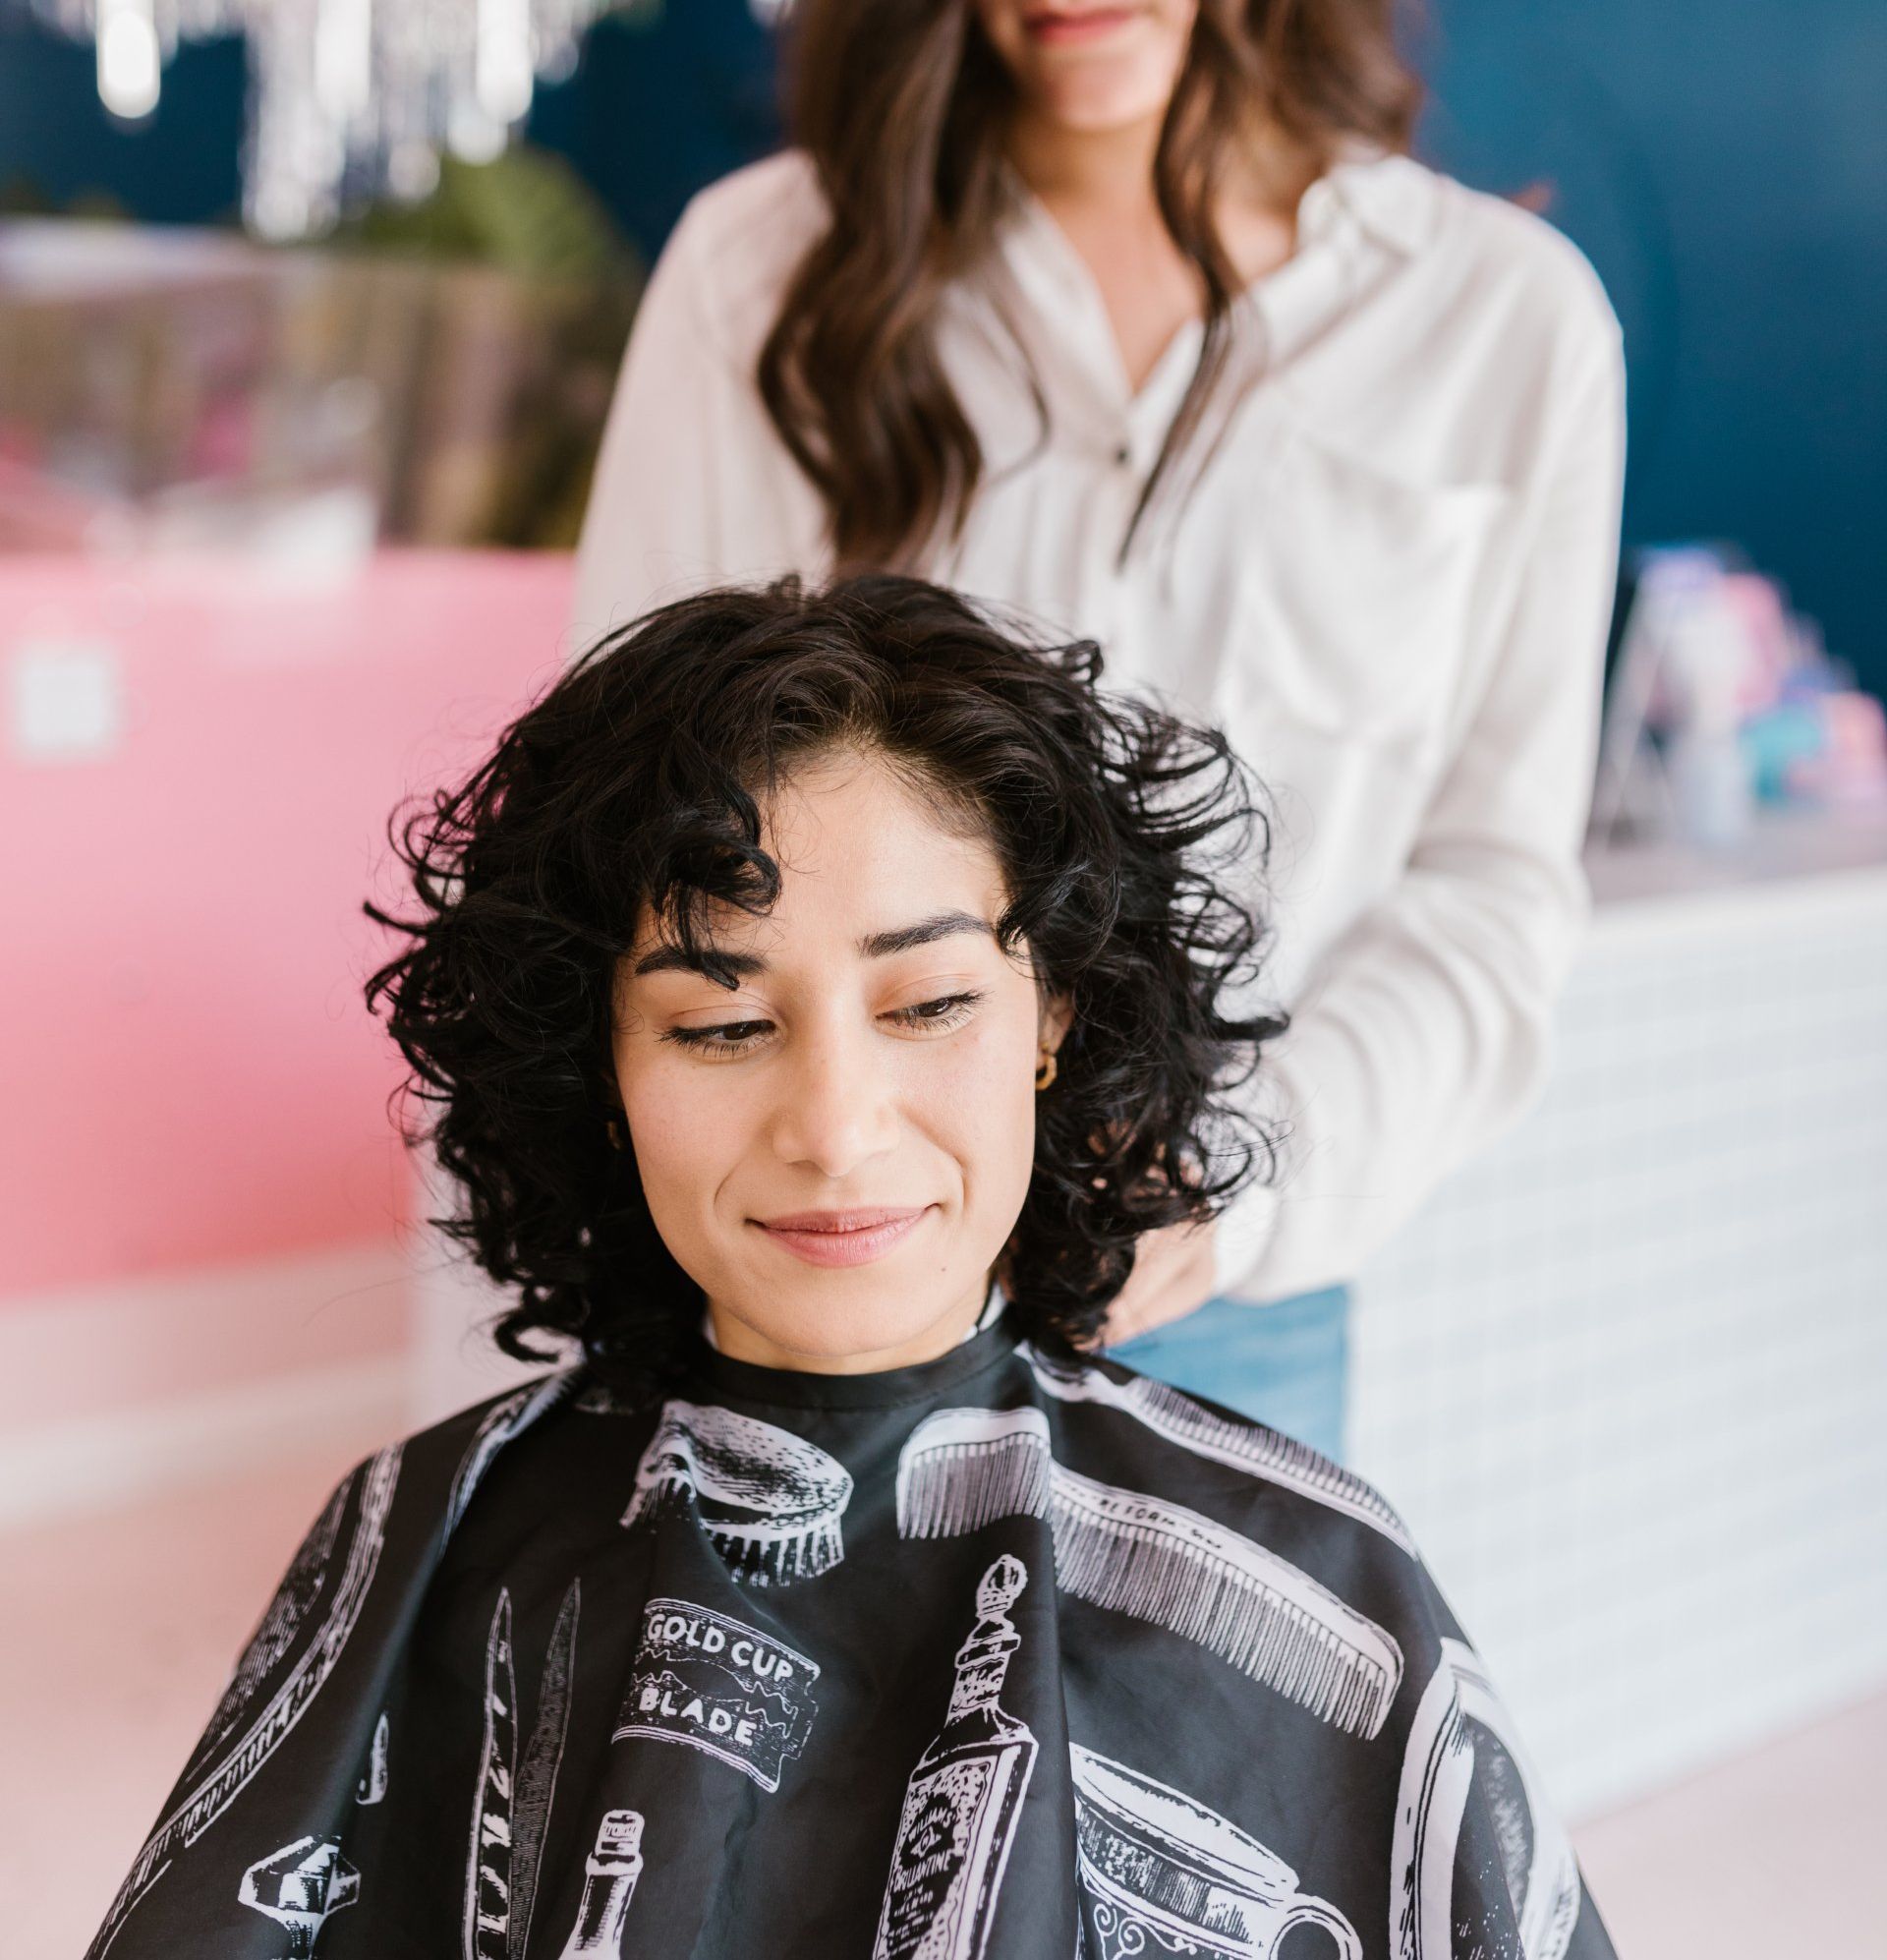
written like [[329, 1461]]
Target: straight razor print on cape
[[538, 1770], [488, 1874], [965, 1467], [374, 1482]]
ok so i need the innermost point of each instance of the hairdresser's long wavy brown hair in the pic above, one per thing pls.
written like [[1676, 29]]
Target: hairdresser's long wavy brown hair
[[902, 106]]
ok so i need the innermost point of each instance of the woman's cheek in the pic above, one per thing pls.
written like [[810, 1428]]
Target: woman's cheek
[[679, 1119], [989, 1099]]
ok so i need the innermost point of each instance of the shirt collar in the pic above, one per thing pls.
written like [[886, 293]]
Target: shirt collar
[[1387, 196]]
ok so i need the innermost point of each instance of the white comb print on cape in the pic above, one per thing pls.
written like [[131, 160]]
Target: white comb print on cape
[[769, 1502], [1261, 1452], [963, 1469]]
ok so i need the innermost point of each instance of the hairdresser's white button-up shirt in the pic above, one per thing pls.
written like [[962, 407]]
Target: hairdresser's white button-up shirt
[[1388, 578]]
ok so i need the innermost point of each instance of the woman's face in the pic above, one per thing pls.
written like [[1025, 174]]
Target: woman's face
[[836, 1151], [1090, 65]]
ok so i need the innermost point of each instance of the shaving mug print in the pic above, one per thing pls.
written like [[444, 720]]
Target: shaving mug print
[[1165, 1874]]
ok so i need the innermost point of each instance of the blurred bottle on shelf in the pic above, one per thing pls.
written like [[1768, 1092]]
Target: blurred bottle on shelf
[[1724, 706]]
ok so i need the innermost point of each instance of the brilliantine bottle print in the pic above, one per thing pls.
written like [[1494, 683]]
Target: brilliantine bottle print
[[609, 1880], [963, 1798]]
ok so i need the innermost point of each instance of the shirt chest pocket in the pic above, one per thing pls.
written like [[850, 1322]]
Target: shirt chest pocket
[[1359, 594]]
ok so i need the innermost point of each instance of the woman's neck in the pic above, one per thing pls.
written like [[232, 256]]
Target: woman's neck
[[1113, 169], [1090, 168], [1098, 187], [742, 1341]]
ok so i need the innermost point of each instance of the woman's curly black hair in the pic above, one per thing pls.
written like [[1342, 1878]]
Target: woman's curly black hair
[[638, 779]]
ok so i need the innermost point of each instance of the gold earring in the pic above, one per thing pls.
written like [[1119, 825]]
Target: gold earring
[[615, 1135], [1044, 1071]]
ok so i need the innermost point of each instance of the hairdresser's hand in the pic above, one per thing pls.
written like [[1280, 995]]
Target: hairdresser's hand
[[1172, 1276]]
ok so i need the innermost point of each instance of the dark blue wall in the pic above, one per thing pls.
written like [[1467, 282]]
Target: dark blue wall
[[662, 105], [1725, 168], [179, 166], [659, 105]]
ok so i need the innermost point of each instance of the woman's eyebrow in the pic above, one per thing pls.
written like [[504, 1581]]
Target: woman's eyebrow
[[671, 959], [940, 925]]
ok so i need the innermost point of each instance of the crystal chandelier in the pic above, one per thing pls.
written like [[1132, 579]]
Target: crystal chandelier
[[347, 97]]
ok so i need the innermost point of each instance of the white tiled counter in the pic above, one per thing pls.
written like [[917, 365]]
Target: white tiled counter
[[1626, 1376]]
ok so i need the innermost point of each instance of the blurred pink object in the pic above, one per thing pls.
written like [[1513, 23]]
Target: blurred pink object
[[38, 513], [1763, 635], [1851, 774], [197, 760]]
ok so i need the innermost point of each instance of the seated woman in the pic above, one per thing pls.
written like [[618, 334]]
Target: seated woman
[[816, 995]]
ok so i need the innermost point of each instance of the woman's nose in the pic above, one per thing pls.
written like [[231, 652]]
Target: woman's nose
[[838, 1106]]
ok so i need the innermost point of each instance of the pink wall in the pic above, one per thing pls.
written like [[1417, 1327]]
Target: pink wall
[[187, 1074]]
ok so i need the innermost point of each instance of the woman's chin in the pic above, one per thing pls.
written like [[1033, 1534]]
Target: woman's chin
[[1092, 112]]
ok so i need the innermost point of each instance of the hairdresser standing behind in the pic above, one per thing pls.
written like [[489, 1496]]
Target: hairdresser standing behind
[[1140, 318]]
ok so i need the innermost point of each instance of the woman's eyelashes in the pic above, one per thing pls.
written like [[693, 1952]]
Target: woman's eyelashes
[[938, 1015]]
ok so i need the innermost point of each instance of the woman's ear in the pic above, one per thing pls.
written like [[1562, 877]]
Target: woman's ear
[[1056, 1018]]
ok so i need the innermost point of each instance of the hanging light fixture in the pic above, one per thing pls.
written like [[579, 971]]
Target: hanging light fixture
[[128, 57], [347, 97]]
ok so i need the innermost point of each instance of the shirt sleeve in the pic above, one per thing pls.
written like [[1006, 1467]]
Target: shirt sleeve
[[693, 487], [1426, 1028]]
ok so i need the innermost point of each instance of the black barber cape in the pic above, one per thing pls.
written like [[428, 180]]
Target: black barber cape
[[995, 1656]]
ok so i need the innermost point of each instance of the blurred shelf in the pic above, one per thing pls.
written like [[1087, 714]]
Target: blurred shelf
[[1790, 845]]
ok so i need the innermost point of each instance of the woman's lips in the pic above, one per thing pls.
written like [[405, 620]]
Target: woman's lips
[[843, 1239], [1057, 28]]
